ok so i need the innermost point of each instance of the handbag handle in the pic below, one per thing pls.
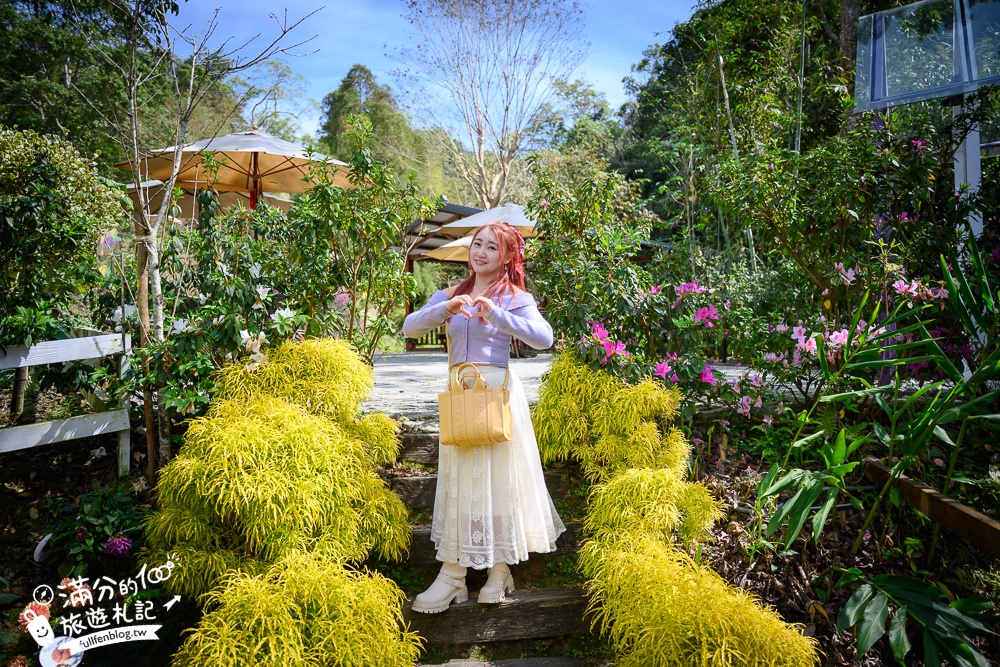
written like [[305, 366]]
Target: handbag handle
[[461, 367]]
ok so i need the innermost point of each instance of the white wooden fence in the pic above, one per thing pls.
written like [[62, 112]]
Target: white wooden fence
[[91, 346]]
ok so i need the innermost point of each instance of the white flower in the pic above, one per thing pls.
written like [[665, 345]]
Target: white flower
[[255, 272], [283, 314], [180, 326], [244, 336], [117, 315], [223, 269], [263, 291], [217, 320], [202, 298]]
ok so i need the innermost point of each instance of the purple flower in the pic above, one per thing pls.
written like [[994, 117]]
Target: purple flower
[[727, 304], [906, 290], [707, 376], [656, 289], [118, 545], [838, 338], [781, 328], [918, 144], [662, 369], [545, 203], [688, 288]]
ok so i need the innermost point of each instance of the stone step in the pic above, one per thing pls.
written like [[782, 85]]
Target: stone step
[[418, 490], [419, 448], [516, 662], [532, 614], [422, 549]]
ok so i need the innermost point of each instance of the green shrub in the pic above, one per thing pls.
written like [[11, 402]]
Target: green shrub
[[660, 608]]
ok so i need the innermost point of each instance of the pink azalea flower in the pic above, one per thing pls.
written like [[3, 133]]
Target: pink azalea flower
[[743, 407], [838, 338], [918, 144], [799, 333], [796, 358], [758, 403], [839, 267], [662, 369], [906, 290], [609, 350], [766, 420], [707, 376], [706, 315], [600, 333], [674, 378], [544, 203], [736, 386], [781, 328], [728, 305], [756, 381], [688, 288], [809, 346], [848, 277], [771, 358], [656, 289]]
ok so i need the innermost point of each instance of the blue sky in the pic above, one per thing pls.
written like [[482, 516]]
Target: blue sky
[[362, 31]]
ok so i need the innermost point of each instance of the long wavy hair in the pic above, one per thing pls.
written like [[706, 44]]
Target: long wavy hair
[[511, 245]]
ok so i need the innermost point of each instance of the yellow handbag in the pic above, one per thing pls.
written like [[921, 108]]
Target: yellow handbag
[[473, 413]]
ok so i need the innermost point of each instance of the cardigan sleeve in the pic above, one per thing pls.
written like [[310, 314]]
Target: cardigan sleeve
[[431, 316], [524, 322]]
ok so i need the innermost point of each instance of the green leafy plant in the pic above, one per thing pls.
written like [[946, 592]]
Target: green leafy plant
[[809, 486], [81, 534], [947, 630]]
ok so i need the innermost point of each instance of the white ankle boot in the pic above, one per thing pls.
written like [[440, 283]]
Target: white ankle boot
[[497, 584], [447, 588]]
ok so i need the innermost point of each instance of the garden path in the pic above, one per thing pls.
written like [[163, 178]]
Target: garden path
[[407, 383]]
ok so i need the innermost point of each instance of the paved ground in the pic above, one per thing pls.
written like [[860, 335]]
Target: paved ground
[[407, 383]]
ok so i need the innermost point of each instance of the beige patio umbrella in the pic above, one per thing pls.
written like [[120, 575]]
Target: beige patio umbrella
[[255, 163], [509, 212], [155, 191], [454, 251]]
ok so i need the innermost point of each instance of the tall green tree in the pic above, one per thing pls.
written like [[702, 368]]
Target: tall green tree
[[395, 142]]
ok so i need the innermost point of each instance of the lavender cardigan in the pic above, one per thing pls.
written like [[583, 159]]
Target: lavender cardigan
[[479, 342]]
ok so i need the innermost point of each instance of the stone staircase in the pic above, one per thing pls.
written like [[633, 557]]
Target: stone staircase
[[539, 619]]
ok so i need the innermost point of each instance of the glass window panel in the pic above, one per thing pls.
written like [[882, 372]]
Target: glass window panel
[[919, 47], [863, 79], [984, 15]]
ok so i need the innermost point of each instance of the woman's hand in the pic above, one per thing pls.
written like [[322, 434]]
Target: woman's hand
[[484, 306], [458, 305]]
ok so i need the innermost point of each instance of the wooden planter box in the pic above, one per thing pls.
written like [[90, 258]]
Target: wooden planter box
[[92, 345]]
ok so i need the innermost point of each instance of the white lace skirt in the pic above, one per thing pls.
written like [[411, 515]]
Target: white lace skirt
[[491, 503]]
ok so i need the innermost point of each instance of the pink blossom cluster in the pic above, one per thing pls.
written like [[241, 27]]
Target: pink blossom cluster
[[706, 315], [846, 276], [602, 338]]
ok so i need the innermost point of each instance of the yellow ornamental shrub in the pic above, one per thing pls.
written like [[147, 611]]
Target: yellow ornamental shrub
[[262, 479], [324, 376], [652, 502], [660, 609], [604, 423], [304, 610]]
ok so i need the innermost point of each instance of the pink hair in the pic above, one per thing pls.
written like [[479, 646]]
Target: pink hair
[[511, 245]]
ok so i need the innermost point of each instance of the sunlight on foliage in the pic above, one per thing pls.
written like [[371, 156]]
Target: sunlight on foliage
[[657, 606], [271, 500], [656, 502], [304, 610], [660, 608]]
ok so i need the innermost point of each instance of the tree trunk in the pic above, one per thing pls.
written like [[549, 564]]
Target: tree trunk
[[850, 11]]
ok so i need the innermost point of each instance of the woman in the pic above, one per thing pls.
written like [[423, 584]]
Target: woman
[[491, 507]]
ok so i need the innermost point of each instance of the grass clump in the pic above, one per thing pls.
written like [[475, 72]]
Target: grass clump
[[270, 502], [656, 605]]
